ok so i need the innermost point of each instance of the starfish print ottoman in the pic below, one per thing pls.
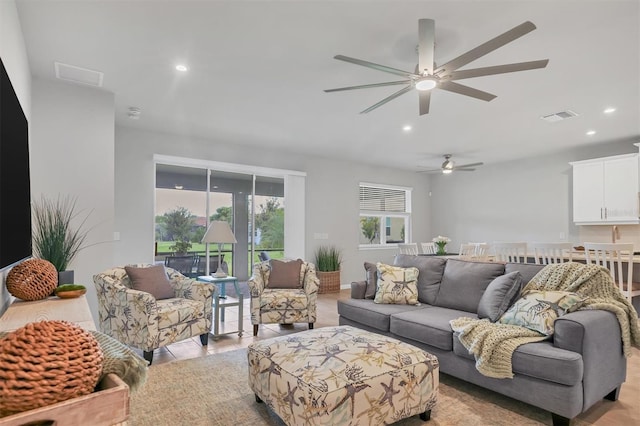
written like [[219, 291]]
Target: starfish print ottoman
[[342, 375]]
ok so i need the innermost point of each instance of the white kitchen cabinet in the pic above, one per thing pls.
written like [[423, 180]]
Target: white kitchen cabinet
[[605, 190]]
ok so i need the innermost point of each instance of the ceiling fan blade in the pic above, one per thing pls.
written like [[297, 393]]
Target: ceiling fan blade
[[387, 99], [498, 69], [463, 170], [424, 99], [429, 171], [485, 48], [450, 86], [426, 44], [464, 166], [367, 86], [378, 67]]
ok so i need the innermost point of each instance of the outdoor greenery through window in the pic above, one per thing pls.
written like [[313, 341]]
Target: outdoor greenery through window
[[385, 213]]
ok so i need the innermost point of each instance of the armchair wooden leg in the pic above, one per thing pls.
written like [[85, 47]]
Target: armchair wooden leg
[[310, 326], [255, 329], [204, 339], [148, 356]]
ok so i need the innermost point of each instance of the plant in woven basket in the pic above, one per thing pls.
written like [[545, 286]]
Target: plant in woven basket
[[328, 260], [55, 238]]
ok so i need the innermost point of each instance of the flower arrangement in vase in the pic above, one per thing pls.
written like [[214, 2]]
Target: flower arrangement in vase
[[441, 243]]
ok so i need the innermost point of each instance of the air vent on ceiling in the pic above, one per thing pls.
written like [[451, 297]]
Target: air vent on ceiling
[[559, 116], [78, 75]]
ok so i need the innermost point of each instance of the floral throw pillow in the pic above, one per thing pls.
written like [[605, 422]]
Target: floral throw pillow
[[396, 285], [538, 310]]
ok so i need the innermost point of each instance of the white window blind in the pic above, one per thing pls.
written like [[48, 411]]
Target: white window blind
[[380, 199]]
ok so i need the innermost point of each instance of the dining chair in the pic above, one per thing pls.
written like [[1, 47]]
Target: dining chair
[[510, 252], [474, 251], [428, 248], [616, 258], [183, 264], [550, 253], [410, 248]]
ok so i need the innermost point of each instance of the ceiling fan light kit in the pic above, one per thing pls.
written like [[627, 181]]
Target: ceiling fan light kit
[[448, 166], [428, 76], [426, 84]]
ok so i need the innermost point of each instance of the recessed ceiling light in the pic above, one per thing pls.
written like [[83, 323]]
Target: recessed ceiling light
[[406, 128], [609, 110], [181, 67], [591, 132]]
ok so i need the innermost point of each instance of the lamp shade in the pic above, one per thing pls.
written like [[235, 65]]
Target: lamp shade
[[219, 231]]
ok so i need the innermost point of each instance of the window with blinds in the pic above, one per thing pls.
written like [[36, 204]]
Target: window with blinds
[[385, 213]]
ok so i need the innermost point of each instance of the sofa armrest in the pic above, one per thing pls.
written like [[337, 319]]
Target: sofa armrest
[[595, 334], [358, 289]]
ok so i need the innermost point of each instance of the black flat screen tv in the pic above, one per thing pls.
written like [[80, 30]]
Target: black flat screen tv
[[15, 184]]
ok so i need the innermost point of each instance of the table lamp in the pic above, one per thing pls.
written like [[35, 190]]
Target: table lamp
[[219, 232]]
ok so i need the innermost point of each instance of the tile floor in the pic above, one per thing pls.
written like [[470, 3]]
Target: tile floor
[[626, 411]]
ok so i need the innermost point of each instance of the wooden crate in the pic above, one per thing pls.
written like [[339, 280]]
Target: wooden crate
[[107, 406]]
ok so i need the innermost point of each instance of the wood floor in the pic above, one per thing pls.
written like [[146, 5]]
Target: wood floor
[[626, 411]]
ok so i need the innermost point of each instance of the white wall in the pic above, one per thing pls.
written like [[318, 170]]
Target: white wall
[[72, 154], [331, 194], [14, 58], [524, 200]]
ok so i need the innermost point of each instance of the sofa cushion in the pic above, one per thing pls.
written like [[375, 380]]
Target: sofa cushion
[[152, 280], [429, 326], [464, 282], [538, 310], [372, 280], [527, 270], [371, 314], [540, 360], [431, 270], [397, 285], [499, 295]]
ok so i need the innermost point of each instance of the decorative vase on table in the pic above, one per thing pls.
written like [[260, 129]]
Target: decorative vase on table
[[441, 242]]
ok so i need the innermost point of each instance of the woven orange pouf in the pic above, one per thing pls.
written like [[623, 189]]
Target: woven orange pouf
[[47, 362], [33, 279]]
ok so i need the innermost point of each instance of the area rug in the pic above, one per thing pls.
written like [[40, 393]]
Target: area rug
[[213, 390]]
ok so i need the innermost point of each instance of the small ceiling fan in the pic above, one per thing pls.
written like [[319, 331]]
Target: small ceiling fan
[[428, 76], [449, 166]]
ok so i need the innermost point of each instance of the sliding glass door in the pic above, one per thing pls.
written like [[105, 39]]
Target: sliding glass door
[[253, 205]]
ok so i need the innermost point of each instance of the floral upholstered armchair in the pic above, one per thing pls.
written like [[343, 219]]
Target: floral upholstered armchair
[[136, 318], [297, 303]]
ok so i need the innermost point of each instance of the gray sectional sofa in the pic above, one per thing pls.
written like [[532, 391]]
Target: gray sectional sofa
[[582, 364]]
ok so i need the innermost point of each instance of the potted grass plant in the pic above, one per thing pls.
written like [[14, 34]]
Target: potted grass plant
[[328, 260], [55, 238]]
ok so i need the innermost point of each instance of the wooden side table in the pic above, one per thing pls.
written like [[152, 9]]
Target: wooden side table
[[219, 306]]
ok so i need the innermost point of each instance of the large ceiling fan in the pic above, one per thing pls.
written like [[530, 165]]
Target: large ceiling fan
[[449, 166], [428, 76]]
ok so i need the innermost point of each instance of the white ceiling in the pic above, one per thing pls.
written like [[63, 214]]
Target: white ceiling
[[258, 70]]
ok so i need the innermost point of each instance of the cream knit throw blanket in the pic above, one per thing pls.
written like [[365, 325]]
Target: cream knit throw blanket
[[493, 344]]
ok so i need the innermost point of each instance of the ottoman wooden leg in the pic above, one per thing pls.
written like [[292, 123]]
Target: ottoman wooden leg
[[255, 329], [310, 326], [425, 416], [258, 400]]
